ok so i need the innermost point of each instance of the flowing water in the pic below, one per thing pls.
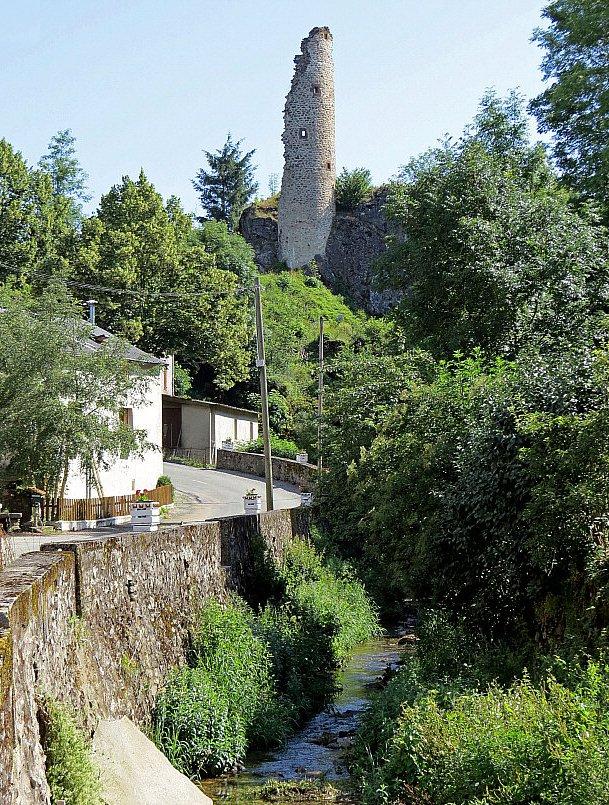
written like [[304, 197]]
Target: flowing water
[[316, 751]]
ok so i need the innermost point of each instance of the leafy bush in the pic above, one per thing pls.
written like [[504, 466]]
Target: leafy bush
[[460, 722], [182, 381], [304, 664], [528, 743], [330, 592], [163, 480], [70, 771], [281, 448], [353, 187], [209, 712], [476, 484], [250, 678]]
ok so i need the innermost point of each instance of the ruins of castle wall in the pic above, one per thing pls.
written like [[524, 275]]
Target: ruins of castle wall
[[306, 203]]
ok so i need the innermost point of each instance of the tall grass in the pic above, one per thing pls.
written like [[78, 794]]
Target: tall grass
[[252, 678], [330, 591], [211, 710]]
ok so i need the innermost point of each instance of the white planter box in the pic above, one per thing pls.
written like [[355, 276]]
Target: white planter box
[[145, 515], [252, 505], [228, 445], [302, 458], [306, 498]]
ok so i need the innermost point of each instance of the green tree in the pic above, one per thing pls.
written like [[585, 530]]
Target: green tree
[[159, 287], [493, 253], [68, 178], [230, 251], [353, 187], [60, 402], [18, 246], [34, 225], [227, 185], [575, 106]]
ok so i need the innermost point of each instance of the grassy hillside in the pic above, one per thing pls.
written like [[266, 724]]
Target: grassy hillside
[[293, 303]]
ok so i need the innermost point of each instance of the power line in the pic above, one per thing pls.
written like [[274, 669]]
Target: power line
[[139, 292]]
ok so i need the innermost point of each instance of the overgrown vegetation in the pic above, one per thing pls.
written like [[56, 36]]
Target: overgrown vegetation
[[252, 678], [280, 448], [70, 771], [444, 730], [293, 304], [353, 187], [468, 458]]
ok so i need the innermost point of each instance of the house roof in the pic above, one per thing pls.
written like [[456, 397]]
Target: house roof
[[132, 353], [169, 398]]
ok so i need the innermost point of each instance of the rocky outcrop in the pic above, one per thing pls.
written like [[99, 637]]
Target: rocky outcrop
[[259, 228], [357, 239]]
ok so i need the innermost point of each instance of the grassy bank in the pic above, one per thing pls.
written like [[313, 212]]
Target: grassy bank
[[460, 726], [252, 677]]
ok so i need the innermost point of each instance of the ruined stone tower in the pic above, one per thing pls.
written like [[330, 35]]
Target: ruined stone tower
[[306, 204]]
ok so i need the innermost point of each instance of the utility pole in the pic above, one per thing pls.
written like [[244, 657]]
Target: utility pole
[[320, 396], [261, 364]]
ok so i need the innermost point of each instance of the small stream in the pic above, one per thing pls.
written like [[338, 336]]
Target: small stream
[[317, 749]]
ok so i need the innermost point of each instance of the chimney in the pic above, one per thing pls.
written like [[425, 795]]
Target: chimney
[[91, 303]]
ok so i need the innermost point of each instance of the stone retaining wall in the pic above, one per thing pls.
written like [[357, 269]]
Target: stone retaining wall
[[284, 469], [99, 624]]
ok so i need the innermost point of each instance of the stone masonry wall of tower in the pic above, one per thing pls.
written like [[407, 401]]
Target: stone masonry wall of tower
[[306, 204]]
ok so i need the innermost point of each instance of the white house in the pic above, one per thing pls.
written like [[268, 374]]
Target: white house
[[196, 428], [126, 476]]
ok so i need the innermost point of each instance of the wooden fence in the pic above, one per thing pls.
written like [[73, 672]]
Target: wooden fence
[[100, 508]]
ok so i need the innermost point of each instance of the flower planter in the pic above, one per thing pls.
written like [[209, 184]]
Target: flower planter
[[145, 515], [228, 445], [302, 457], [306, 498], [252, 504]]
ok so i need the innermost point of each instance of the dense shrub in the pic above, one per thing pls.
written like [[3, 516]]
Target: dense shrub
[[444, 730], [163, 480], [281, 448], [70, 771], [303, 660], [330, 592], [209, 712], [498, 747], [252, 678], [293, 304], [353, 187], [476, 484]]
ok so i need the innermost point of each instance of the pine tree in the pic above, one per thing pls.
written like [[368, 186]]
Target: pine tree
[[228, 185]]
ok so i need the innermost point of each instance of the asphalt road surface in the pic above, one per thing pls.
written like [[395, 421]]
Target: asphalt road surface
[[206, 494]]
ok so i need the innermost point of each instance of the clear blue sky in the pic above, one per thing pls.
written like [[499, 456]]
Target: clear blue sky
[[149, 83]]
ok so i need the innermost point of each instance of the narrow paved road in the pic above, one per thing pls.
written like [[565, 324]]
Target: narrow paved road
[[217, 493], [201, 495]]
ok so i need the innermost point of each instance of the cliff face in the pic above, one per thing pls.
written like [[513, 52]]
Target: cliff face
[[260, 230], [357, 238]]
